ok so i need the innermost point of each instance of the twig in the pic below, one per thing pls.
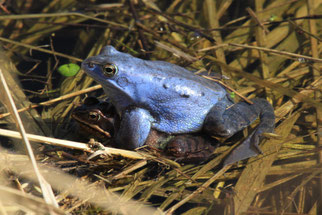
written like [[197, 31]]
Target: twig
[[175, 51], [229, 88], [46, 103], [226, 27], [46, 189], [277, 52], [300, 28], [254, 16], [199, 190], [140, 30], [72, 144], [48, 15], [169, 40], [191, 28], [41, 49]]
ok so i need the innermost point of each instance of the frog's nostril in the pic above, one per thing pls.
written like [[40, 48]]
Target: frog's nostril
[[90, 65]]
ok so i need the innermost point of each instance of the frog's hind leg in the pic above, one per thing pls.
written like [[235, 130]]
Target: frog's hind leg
[[226, 121]]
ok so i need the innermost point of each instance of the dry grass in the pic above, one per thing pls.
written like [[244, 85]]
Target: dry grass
[[261, 48]]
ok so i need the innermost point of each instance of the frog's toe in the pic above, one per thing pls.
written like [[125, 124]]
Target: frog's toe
[[254, 140], [100, 154], [243, 151]]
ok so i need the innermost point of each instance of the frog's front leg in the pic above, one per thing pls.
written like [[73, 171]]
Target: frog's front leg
[[226, 121], [134, 128]]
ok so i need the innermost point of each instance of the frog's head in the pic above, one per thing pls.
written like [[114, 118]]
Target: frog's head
[[105, 67], [117, 72]]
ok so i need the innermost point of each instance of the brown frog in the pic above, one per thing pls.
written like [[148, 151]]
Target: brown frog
[[95, 119], [190, 148], [99, 120]]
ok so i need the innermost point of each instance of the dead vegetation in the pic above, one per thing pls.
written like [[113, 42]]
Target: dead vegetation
[[259, 48]]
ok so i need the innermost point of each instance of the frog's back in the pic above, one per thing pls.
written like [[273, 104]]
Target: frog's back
[[180, 99]]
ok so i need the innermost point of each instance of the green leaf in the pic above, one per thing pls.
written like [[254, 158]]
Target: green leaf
[[232, 95], [69, 69], [273, 18]]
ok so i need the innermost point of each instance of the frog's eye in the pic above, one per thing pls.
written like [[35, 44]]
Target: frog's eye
[[109, 70], [94, 116]]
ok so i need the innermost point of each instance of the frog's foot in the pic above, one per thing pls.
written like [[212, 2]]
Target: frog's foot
[[246, 149], [95, 145], [226, 122], [100, 153], [98, 148]]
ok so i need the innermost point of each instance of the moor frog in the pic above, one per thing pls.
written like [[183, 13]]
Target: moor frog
[[171, 99]]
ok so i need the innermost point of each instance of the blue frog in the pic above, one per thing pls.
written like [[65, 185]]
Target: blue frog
[[171, 99]]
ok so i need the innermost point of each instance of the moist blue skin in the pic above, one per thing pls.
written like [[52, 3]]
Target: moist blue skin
[[168, 98]]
